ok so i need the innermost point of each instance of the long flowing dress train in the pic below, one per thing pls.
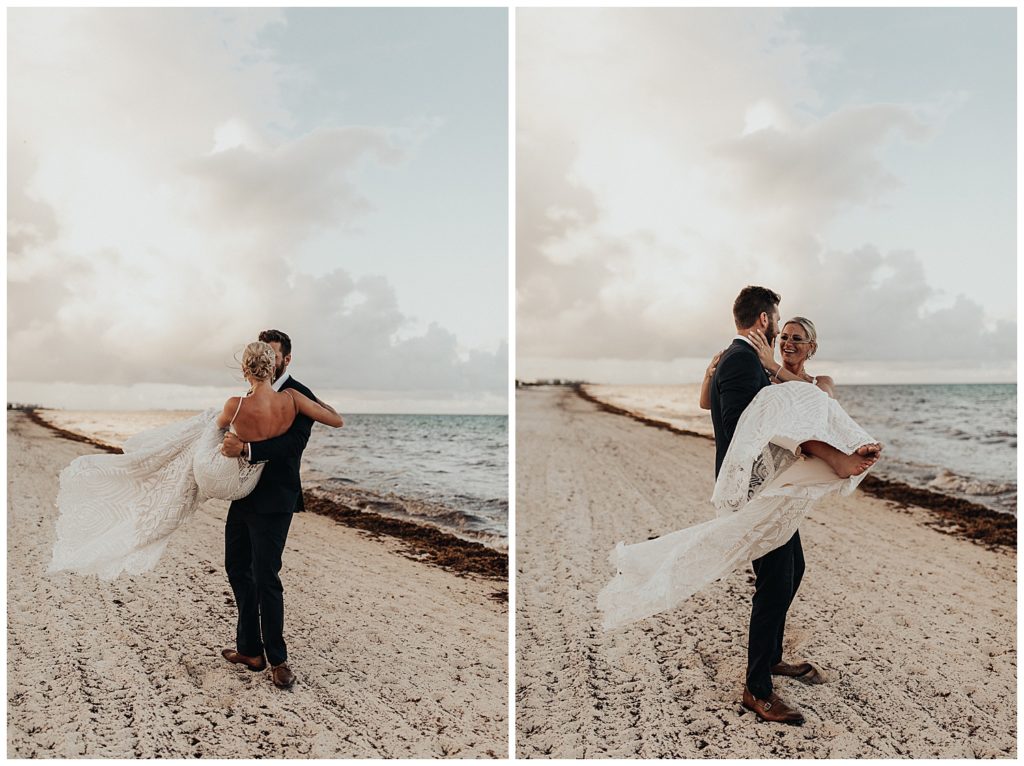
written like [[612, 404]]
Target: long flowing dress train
[[117, 512]]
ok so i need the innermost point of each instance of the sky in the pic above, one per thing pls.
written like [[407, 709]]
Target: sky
[[860, 162], [180, 179]]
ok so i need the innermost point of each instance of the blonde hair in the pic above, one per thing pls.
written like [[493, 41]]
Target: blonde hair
[[259, 360], [812, 333]]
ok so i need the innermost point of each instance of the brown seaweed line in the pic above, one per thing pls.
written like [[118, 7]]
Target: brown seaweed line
[[36, 418], [954, 515]]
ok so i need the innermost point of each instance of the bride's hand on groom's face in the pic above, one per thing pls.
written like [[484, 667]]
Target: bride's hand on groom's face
[[765, 350]]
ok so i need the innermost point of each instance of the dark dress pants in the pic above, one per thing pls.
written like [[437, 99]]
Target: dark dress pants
[[778, 576], [253, 544]]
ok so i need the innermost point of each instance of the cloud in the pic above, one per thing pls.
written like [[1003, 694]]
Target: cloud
[[30, 221], [347, 333], [809, 171], [290, 187], [160, 199], [870, 305], [652, 186]]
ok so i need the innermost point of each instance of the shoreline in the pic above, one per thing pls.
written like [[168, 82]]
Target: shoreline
[[954, 516], [32, 413], [422, 543]]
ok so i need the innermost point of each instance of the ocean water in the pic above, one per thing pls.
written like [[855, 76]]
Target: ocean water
[[453, 467], [960, 440], [456, 465]]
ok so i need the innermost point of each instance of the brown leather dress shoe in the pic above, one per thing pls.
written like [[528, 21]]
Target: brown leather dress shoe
[[805, 672], [253, 663], [282, 675], [772, 709]]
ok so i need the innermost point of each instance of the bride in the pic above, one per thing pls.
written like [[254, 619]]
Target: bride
[[117, 512], [765, 488], [798, 342]]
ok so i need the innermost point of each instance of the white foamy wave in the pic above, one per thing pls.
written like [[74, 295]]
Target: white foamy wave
[[950, 482]]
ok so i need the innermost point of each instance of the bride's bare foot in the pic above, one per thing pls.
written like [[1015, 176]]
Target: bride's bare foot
[[870, 450], [846, 466]]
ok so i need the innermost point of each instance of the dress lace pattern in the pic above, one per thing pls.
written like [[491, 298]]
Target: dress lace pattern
[[117, 512], [763, 492]]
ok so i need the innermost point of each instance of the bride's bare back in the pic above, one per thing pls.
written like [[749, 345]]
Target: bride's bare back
[[264, 416], [266, 413]]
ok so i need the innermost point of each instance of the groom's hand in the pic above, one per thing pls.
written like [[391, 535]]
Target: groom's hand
[[232, 446]]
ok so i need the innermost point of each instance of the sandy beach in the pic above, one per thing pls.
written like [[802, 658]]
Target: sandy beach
[[916, 628], [395, 656]]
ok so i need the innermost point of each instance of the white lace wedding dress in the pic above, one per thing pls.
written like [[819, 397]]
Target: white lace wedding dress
[[763, 492], [117, 512]]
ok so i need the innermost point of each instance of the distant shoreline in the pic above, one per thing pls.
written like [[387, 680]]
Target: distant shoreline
[[35, 417], [428, 544], [952, 515]]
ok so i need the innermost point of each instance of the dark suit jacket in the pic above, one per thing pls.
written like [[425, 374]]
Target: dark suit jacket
[[279, 489], [737, 379]]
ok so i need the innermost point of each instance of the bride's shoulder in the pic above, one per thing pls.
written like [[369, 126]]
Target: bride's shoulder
[[232, 403], [231, 406]]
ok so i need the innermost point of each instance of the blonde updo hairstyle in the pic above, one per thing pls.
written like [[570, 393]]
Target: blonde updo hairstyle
[[259, 360], [809, 331]]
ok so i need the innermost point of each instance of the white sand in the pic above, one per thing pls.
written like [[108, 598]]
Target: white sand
[[917, 628], [394, 658]]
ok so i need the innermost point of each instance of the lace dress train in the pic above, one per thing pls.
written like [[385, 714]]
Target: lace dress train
[[763, 492], [117, 512]]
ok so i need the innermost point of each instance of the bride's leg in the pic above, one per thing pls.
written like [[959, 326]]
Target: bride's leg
[[844, 465]]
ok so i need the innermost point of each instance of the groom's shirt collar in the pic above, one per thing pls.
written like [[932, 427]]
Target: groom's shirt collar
[[743, 338], [280, 381]]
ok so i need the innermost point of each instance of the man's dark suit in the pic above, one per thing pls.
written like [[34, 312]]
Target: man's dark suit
[[737, 379], [255, 534]]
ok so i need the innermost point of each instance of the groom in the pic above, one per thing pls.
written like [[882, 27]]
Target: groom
[[737, 379], [257, 528]]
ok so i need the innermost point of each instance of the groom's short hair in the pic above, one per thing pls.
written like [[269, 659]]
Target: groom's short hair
[[749, 304], [276, 336]]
